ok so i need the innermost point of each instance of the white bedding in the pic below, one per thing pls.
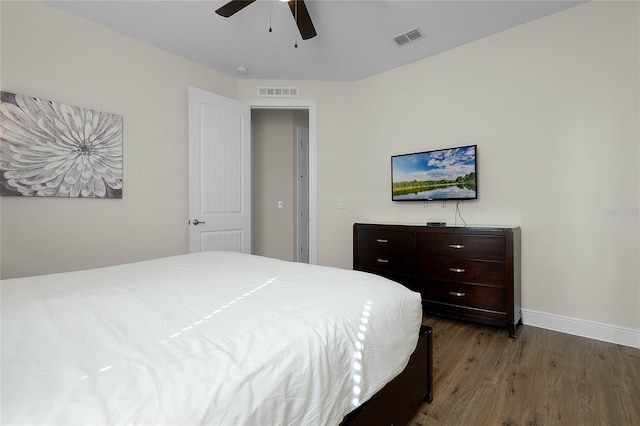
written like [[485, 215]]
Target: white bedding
[[209, 338]]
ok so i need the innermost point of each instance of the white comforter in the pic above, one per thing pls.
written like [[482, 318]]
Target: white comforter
[[209, 338]]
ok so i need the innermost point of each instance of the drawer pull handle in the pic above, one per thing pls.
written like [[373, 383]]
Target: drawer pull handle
[[457, 270], [456, 246], [383, 260], [380, 240], [455, 293]]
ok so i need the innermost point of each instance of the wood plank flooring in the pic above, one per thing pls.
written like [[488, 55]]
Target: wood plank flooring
[[482, 377]]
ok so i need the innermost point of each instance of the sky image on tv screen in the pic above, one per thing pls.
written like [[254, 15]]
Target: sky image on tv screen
[[444, 174]]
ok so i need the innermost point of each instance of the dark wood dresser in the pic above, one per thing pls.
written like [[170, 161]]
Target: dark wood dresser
[[470, 272]]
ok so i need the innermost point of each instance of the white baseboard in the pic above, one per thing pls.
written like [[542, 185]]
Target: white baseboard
[[579, 327]]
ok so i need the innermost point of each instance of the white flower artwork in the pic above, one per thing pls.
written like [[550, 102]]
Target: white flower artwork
[[57, 150]]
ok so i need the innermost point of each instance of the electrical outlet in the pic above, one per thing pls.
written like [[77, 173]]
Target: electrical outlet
[[342, 204]]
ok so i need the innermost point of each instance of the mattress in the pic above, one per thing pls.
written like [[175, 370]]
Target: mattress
[[207, 338]]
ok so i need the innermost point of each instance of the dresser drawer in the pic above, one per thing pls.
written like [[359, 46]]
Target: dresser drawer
[[486, 247], [468, 295], [387, 251], [491, 273], [387, 241]]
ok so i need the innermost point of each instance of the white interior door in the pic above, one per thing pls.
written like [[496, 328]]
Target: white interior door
[[303, 194], [219, 173]]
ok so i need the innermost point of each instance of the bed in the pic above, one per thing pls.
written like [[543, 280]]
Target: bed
[[212, 338]]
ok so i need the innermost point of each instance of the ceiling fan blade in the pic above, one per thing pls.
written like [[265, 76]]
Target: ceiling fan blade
[[234, 6], [303, 20]]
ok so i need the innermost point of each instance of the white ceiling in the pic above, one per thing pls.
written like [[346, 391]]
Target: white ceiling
[[355, 37]]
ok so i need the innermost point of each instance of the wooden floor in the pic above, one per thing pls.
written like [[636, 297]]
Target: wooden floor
[[482, 377]]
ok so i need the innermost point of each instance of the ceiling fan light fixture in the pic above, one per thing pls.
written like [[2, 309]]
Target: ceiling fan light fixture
[[298, 10]]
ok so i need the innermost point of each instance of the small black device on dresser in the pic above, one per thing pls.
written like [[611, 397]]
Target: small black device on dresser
[[470, 272]]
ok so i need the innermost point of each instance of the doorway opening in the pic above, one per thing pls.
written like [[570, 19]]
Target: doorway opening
[[284, 179]]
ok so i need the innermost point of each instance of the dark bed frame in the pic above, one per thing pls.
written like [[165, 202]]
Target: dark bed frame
[[397, 402]]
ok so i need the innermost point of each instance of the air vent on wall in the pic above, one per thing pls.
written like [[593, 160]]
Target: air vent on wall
[[278, 91], [408, 37]]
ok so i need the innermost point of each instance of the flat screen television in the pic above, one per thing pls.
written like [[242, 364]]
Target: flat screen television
[[443, 174]]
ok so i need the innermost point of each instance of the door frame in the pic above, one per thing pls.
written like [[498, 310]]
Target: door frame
[[302, 223], [310, 106]]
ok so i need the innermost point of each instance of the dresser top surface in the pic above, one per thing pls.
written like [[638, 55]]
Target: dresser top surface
[[424, 225]]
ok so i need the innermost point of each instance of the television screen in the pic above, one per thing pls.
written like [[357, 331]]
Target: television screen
[[444, 174]]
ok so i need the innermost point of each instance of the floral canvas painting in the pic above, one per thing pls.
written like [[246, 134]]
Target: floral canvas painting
[[56, 150]]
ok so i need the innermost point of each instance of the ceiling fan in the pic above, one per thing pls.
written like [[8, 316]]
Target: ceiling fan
[[298, 10]]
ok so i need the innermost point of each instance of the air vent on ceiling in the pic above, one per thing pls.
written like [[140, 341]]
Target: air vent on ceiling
[[278, 91], [408, 37]]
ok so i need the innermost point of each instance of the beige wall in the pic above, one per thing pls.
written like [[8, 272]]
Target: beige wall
[[53, 55], [552, 105]]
